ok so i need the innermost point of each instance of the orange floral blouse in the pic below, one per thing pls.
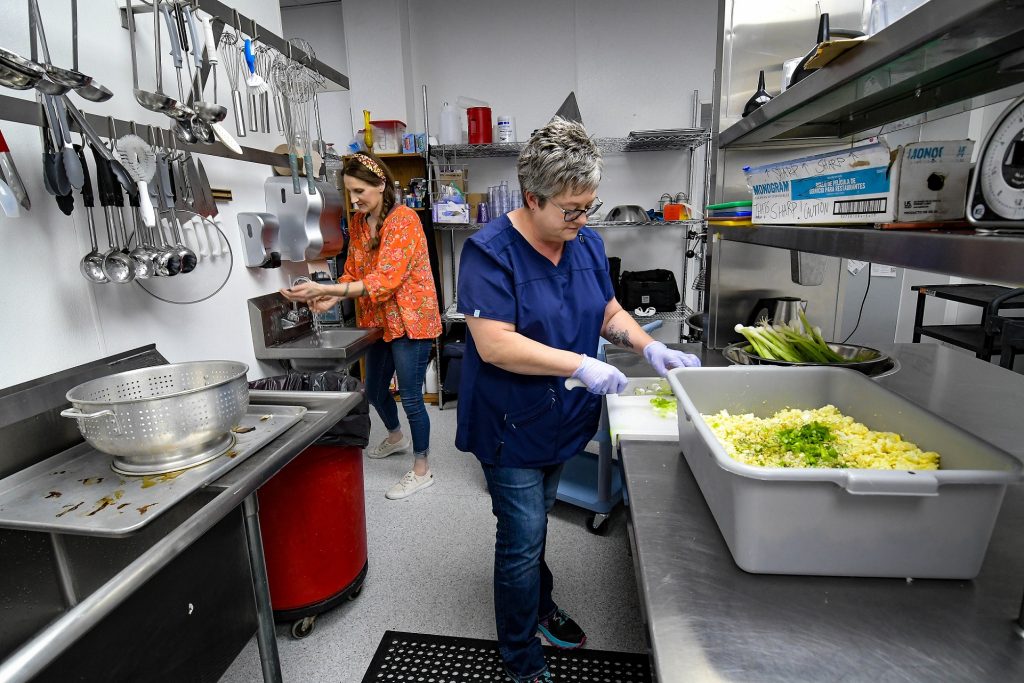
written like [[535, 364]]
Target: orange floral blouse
[[400, 294]]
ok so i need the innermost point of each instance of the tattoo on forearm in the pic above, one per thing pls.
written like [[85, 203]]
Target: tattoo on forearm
[[619, 338]]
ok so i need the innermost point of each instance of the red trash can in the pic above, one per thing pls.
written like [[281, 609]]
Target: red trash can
[[313, 524]]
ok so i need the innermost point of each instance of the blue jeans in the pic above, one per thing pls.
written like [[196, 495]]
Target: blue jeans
[[521, 499], [407, 357]]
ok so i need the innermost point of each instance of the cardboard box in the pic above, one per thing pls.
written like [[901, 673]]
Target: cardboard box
[[459, 177], [924, 181], [450, 212], [932, 181]]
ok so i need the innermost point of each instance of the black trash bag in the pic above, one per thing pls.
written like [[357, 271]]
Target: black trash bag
[[351, 430]]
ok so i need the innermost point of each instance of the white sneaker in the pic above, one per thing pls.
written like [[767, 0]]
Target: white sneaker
[[409, 484], [385, 448]]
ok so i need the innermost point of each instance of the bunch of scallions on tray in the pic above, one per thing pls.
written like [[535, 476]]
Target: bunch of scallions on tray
[[794, 342]]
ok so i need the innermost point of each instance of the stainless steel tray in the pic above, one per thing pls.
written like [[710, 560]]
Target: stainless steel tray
[[77, 492]]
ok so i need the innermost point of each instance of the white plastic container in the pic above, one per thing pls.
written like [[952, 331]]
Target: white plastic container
[[839, 522], [451, 126], [430, 381], [505, 129]]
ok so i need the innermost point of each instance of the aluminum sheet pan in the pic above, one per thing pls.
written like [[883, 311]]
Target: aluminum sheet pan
[[77, 492]]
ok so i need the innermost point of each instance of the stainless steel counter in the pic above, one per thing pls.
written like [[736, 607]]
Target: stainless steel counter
[[710, 621], [220, 497]]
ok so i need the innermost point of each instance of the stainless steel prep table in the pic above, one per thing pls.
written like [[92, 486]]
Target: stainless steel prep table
[[234, 489], [710, 621]]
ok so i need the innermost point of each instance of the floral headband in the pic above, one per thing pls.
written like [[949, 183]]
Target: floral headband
[[372, 165]]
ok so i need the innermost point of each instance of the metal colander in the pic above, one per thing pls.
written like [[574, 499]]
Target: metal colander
[[162, 418]]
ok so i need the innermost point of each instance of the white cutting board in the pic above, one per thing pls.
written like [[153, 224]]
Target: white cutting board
[[634, 416]]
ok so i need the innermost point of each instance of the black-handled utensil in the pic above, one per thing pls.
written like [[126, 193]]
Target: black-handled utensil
[[116, 266], [92, 263]]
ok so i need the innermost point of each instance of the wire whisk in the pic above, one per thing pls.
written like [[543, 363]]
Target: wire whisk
[[231, 54], [297, 85]]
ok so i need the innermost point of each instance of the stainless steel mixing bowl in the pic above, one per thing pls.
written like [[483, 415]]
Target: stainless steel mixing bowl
[[865, 359], [162, 418]]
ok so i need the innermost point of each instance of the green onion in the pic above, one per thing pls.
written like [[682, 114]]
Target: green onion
[[797, 343]]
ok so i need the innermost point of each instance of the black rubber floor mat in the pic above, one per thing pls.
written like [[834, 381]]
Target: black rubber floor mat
[[422, 658]]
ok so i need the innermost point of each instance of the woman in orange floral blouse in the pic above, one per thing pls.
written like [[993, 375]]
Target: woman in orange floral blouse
[[388, 269]]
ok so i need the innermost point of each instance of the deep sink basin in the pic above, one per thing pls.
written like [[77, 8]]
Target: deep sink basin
[[298, 343], [331, 341]]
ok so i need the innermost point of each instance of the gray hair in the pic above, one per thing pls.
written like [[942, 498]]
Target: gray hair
[[559, 157]]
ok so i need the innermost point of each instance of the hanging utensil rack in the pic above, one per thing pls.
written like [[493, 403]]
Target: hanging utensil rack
[[17, 110], [223, 15]]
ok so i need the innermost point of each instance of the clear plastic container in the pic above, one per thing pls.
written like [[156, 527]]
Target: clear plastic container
[[387, 136]]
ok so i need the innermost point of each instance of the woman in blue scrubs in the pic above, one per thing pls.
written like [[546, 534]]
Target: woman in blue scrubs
[[535, 290]]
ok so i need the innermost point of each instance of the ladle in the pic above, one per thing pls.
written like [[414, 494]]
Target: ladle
[[18, 73], [209, 112], [92, 91], [66, 77], [186, 256], [178, 110], [153, 101], [142, 254], [92, 263], [116, 264], [167, 262], [31, 68], [141, 258]]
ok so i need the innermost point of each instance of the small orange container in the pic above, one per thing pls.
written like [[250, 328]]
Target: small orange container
[[676, 212]]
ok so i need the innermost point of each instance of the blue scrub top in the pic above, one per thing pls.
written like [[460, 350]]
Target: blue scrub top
[[514, 420]]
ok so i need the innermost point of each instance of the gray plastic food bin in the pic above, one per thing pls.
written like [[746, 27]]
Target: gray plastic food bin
[[842, 522]]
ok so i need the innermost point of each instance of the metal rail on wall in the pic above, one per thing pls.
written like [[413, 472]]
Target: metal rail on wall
[[230, 17], [17, 110]]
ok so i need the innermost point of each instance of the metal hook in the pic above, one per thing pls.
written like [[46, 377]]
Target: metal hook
[[255, 30], [237, 22], [112, 131]]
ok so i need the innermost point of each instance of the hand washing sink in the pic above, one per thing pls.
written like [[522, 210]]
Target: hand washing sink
[[284, 332]]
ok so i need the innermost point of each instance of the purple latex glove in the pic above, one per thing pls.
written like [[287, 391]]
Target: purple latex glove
[[599, 377], [663, 359]]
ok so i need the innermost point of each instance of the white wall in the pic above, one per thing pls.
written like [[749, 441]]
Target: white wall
[[323, 27], [377, 60], [55, 318], [890, 306], [630, 70]]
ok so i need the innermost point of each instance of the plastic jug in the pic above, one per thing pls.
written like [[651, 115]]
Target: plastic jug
[[451, 126]]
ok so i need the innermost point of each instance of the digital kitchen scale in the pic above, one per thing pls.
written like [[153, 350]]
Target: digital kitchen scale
[[996, 198]]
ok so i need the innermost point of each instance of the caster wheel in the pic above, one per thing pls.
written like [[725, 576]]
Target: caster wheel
[[597, 524], [303, 627], [355, 594]]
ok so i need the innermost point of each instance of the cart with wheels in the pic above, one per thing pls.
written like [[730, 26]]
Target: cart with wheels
[[594, 481]]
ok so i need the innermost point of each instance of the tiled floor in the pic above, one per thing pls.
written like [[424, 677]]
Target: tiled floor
[[430, 569]]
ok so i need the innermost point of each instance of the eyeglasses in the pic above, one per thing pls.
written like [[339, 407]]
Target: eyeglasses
[[572, 214]]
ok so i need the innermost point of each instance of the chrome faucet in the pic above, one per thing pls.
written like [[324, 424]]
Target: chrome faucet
[[295, 317]]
